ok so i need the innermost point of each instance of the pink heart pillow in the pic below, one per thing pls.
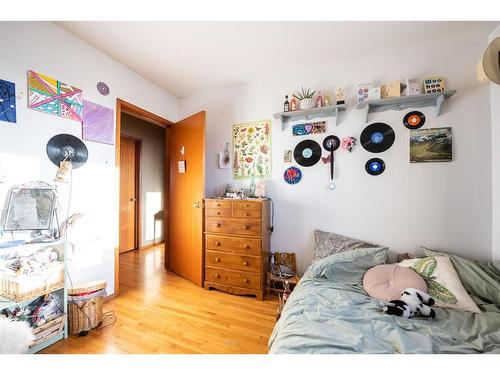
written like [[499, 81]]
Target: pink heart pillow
[[387, 281]]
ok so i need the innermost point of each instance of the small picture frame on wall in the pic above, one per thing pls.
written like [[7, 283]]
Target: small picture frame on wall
[[224, 158], [287, 156]]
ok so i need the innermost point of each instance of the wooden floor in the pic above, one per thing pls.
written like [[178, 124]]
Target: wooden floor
[[160, 312]]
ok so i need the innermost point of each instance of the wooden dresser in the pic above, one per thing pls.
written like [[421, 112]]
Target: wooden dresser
[[237, 243]]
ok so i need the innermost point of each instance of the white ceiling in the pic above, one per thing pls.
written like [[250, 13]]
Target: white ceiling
[[185, 58]]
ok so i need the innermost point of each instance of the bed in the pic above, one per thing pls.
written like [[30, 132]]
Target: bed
[[329, 312]]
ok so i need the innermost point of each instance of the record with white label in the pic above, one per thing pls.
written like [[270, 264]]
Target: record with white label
[[375, 166]]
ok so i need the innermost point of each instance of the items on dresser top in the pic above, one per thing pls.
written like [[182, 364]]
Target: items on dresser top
[[237, 241]]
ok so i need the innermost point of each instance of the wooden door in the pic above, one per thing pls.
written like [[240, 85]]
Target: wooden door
[[128, 189], [185, 250]]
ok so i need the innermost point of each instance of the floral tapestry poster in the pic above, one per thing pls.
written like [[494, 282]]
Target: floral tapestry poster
[[252, 149]]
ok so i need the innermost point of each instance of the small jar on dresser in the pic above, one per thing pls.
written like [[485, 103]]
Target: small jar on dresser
[[237, 243]]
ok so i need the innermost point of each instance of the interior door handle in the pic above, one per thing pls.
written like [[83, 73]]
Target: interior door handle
[[133, 199], [197, 205]]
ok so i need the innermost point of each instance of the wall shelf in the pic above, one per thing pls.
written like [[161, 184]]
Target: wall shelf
[[405, 102], [308, 114]]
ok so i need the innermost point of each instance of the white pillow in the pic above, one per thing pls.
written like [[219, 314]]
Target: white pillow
[[443, 283]]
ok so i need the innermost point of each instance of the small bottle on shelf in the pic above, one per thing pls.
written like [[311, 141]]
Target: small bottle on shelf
[[319, 100], [327, 100], [293, 104], [286, 105]]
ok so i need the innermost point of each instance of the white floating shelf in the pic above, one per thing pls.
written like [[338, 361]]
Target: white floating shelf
[[405, 102], [308, 114]]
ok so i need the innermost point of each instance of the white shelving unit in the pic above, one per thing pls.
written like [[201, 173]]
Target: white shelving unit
[[60, 247], [405, 102], [308, 114]]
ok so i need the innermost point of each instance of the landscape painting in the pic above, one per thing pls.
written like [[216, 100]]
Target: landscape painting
[[430, 145]]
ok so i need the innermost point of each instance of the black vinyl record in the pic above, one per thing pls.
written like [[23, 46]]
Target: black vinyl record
[[377, 137], [307, 153], [331, 143], [69, 147], [414, 120], [375, 166]]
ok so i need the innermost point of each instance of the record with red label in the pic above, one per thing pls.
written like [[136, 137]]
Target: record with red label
[[377, 137], [414, 120]]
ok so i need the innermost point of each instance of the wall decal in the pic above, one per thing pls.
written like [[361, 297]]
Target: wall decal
[[49, 95], [430, 145], [252, 149], [98, 123], [309, 128], [7, 101]]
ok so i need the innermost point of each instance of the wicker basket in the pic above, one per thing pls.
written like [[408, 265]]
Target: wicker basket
[[85, 312], [48, 330], [21, 289]]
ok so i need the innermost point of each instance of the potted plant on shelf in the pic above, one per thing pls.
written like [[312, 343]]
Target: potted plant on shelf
[[305, 97]]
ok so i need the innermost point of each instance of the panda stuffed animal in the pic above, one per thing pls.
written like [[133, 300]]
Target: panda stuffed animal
[[413, 302]]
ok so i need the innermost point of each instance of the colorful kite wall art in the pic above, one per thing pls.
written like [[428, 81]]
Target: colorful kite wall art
[[98, 123], [252, 149], [7, 101], [49, 95]]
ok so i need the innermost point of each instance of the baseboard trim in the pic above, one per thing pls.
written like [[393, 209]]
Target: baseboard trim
[[109, 297]]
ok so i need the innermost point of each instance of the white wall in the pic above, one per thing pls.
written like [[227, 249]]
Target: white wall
[[495, 127], [152, 167], [441, 205], [46, 48]]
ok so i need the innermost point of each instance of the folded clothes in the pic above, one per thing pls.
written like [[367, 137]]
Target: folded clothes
[[37, 263]]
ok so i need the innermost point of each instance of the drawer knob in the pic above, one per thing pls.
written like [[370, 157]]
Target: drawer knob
[[217, 275], [217, 243], [218, 213], [217, 260], [245, 226], [246, 247], [245, 263], [218, 204], [245, 213], [218, 225], [245, 280]]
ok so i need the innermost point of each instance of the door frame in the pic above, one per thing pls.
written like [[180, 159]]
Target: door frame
[[137, 191], [123, 106]]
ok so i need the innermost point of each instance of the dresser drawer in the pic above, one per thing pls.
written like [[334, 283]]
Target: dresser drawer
[[248, 227], [216, 204], [247, 205], [250, 246], [247, 213], [218, 212], [235, 278], [232, 261]]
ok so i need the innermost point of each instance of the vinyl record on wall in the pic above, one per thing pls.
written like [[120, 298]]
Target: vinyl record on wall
[[69, 147], [307, 153], [414, 120], [375, 166], [377, 137]]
